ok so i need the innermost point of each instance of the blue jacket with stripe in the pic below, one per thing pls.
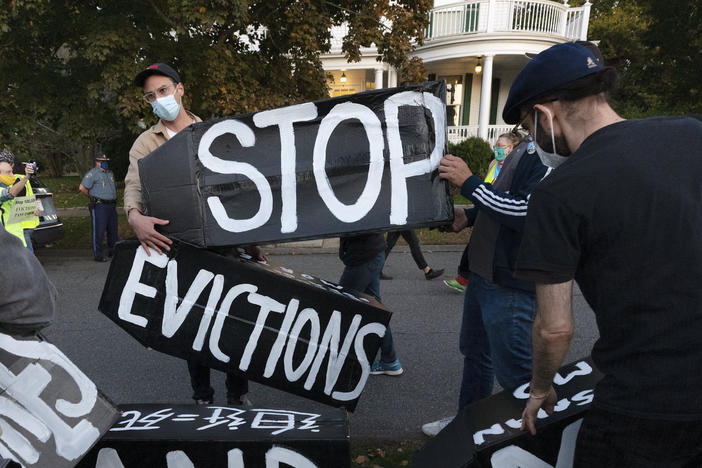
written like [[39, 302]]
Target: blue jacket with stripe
[[509, 210]]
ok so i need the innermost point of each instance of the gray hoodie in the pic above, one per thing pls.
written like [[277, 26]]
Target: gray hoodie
[[27, 297]]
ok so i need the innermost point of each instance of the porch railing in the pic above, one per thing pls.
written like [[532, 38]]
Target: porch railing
[[463, 132], [534, 16]]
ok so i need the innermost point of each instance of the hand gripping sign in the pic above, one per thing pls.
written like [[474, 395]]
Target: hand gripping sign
[[287, 330], [364, 162]]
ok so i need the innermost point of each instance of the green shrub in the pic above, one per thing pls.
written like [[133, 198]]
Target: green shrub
[[476, 152]]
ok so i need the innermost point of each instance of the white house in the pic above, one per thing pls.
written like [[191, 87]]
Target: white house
[[478, 47]]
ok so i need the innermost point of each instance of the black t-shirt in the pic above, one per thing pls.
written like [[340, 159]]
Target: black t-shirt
[[361, 248], [623, 217]]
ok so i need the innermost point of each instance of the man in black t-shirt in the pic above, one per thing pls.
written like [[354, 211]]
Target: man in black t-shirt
[[622, 215]]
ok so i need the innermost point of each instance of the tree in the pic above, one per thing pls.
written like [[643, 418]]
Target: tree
[[67, 65], [657, 48]]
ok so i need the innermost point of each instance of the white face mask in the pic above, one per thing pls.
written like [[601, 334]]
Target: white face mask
[[166, 107], [552, 160]]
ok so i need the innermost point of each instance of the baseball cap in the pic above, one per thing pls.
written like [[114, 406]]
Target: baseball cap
[[549, 70], [156, 69], [102, 158], [590, 45]]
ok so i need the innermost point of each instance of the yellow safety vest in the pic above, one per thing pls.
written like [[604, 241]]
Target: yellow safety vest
[[15, 229], [34, 222]]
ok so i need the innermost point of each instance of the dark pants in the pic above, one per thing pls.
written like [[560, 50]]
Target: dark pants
[[202, 390], [412, 240], [613, 440], [366, 279], [463, 268], [104, 218]]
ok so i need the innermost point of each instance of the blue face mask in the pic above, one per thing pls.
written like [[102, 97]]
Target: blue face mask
[[103, 165], [166, 107], [499, 153]]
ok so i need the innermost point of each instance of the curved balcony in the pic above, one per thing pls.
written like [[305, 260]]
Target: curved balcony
[[508, 16]]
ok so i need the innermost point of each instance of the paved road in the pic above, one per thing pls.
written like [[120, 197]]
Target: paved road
[[425, 327]]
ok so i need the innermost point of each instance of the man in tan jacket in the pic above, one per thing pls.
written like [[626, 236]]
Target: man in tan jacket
[[164, 91]]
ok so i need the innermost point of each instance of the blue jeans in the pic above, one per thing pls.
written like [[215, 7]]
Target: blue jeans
[[495, 338], [28, 239], [366, 279]]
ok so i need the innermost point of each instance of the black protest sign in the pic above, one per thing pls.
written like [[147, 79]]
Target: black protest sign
[[287, 330], [210, 436], [358, 163], [494, 423], [52, 414]]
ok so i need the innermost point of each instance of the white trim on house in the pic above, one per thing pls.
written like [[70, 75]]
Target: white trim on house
[[496, 33]]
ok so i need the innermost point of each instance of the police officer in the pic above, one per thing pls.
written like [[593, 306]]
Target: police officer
[[99, 185]]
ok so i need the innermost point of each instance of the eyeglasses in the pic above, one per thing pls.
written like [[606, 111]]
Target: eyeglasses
[[163, 91]]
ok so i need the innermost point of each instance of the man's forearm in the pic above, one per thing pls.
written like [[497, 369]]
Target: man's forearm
[[552, 332]]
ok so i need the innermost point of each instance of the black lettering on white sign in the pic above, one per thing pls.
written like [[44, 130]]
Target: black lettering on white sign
[[357, 163], [291, 331]]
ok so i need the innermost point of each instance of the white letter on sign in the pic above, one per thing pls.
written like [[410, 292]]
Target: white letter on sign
[[247, 139], [285, 118], [399, 171], [134, 287], [374, 132]]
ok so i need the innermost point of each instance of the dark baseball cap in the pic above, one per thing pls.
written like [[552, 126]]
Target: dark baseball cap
[[156, 69], [590, 45], [548, 71]]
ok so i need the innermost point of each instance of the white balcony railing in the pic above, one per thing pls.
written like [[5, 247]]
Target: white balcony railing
[[463, 132], [484, 16]]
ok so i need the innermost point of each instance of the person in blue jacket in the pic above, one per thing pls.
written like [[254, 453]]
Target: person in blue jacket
[[498, 309]]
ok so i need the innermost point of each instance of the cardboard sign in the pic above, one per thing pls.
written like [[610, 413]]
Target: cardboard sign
[[51, 414], [222, 436], [492, 424], [291, 331], [357, 163], [23, 209]]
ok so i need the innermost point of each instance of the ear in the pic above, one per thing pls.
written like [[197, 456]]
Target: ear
[[544, 111]]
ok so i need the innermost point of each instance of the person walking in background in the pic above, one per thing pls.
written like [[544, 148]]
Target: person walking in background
[[12, 186], [98, 185], [410, 236], [503, 146], [164, 90], [363, 256]]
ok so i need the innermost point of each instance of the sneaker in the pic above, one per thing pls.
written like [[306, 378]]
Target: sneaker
[[199, 401], [383, 276], [388, 368], [455, 285], [433, 428], [432, 273]]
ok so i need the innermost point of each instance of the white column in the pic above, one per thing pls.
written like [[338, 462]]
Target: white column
[[378, 78], [485, 94], [492, 5], [392, 78], [586, 21]]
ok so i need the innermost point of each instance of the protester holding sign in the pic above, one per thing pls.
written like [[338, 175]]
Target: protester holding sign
[[99, 185], [622, 215], [164, 90], [13, 186], [498, 309]]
